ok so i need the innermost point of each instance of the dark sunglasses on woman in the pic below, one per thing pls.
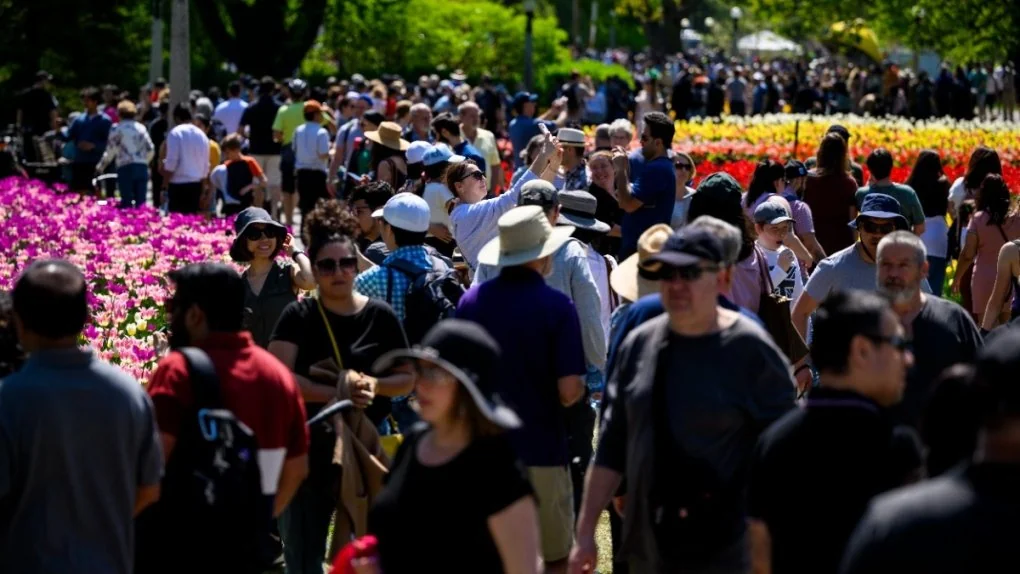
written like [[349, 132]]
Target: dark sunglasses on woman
[[475, 174], [253, 233], [330, 266], [682, 165]]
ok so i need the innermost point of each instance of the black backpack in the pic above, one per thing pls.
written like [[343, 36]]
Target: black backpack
[[432, 296], [212, 515]]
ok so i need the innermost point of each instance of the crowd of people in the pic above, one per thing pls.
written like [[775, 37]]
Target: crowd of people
[[778, 380]]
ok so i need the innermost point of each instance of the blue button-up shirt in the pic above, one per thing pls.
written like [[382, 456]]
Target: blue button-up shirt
[[93, 129], [390, 285]]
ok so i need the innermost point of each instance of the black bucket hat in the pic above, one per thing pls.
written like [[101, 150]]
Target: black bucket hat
[[251, 216], [465, 350]]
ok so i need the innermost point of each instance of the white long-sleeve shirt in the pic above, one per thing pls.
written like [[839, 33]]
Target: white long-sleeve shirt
[[475, 224], [187, 154], [229, 112]]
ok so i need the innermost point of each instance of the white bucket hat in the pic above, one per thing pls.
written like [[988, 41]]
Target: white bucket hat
[[525, 235]]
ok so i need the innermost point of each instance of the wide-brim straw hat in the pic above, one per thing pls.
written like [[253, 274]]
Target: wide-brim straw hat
[[388, 135], [525, 235], [624, 279]]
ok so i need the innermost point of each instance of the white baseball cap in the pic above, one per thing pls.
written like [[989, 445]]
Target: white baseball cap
[[416, 151], [405, 211]]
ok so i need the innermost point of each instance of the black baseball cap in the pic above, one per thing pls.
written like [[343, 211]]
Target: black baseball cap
[[688, 247], [838, 129], [794, 169]]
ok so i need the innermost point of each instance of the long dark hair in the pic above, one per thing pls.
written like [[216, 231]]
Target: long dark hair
[[328, 223], [993, 199], [832, 155], [763, 180], [930, 183], [983, 161], [464, 408]]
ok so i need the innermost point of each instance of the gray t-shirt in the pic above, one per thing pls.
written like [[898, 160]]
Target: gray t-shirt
[[77, 438], [845, 270]]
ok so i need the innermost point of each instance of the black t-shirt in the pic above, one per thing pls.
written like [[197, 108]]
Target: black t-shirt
[[362, 338], [157, 131], [814, 471], [259, 118], [943, 334], [36, 104], [443, 511], [608, 211], [966, 521]]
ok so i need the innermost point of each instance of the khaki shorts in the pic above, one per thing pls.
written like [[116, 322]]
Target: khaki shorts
[[270, 167], [555, 494]]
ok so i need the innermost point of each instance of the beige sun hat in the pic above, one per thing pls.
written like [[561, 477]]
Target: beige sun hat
[[624, 279], [388, 135], [525, 235]]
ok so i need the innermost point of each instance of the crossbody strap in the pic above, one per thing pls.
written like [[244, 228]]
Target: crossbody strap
[[329, 331]]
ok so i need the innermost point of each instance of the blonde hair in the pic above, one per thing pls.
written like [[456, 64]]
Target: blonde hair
[[126, 109], [690, 160]]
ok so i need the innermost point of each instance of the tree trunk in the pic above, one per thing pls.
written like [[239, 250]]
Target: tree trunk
[[180, 54]]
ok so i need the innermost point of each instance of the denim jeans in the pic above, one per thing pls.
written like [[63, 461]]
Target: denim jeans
[[936, 274], [304, 527], [133, 182]]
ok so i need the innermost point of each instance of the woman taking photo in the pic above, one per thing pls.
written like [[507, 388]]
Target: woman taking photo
[[685, 172], [474, 217], [607, 208], [458, 465], [932, 187], [389, 164], [829, 193], [351, 331], [995, 223], [271, 284]]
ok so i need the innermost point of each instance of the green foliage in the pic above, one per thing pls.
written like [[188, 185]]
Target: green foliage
[[551, 77], [413, 37], [961, 31]]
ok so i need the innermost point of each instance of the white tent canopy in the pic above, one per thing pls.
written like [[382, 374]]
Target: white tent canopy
[[767, 41]]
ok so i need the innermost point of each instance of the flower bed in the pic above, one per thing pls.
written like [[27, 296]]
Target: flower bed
[[125, 255]]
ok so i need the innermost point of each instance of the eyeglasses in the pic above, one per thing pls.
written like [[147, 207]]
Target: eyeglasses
[[474, 174], [682, 165], [254, 233], [330, 266], [686, 272], [899, 343], [870, 226]]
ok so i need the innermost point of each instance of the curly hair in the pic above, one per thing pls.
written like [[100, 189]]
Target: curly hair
[[11, 355], [993, 199], [328, 223]]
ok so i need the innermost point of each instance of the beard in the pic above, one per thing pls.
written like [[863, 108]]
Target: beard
[[898, 292]]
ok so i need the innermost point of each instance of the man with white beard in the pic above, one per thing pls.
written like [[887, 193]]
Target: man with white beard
[[941, 332]]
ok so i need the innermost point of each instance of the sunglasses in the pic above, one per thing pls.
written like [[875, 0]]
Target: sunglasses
[[474, 174], [899, 343], [254, 233], [685, 273], [682, 165], [330, 266], [869, 226]]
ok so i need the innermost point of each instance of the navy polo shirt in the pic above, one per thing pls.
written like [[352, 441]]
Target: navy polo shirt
[[93, 129], [469, 151], [539, 333], [655, 188]]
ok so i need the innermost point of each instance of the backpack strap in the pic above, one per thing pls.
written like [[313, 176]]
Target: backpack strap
[[205, 384]]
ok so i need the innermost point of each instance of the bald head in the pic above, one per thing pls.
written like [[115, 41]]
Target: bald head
[[49, 300]]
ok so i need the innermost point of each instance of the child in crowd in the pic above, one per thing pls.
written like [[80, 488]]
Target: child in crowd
[[772, 223]]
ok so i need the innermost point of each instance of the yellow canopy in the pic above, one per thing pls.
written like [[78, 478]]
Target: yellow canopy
[[856, 35]]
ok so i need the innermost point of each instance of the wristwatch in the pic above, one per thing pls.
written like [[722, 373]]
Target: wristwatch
[[295, 254]]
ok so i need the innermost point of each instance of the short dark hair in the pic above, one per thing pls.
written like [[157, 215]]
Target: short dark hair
[[182, 113], [266, 85], [234, 88], [92, 93], [216, 288], [842, 316], [405, 238], [232, 141], [880, 163], [375, 194], [662, 127], [445, 121], [49, 299]]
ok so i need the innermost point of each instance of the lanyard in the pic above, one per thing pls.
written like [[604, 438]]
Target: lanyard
[[329, 330]]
